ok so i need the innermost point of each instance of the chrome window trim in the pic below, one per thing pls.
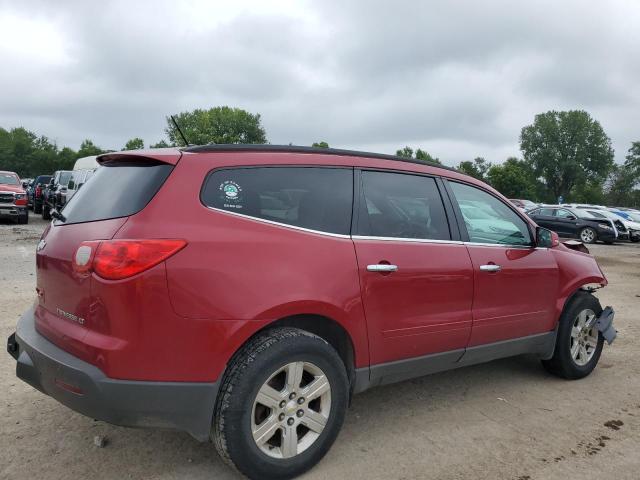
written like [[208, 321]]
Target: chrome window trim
[[279, 224], [403, 239], [366, 237], [504, 245]]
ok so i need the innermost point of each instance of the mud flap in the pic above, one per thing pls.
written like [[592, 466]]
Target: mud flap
[[604, 324]]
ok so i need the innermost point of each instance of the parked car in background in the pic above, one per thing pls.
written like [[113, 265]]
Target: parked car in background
[[243, 293], [77, 180], [37, 189], [54, 193], [13, 198], [575, 223], [523, 205], [627, 229]]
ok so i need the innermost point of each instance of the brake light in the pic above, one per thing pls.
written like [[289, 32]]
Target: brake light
[[38, 191], [118, 259]]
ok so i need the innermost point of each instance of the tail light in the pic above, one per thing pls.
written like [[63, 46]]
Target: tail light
[[38, 191], [118, 259]]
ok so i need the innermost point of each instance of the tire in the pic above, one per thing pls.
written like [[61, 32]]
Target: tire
[[46, 212], [635, 239], [25, 218], [37, 208], [239, 413], [588, 235], [563, 363]]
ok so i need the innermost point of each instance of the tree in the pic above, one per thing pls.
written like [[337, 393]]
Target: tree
[[567, 150], [217, 125], [87, 148], [134, 144], [320, 144], [625, 179], [514, 179], [422, 155], [477, 169], [160, 144]]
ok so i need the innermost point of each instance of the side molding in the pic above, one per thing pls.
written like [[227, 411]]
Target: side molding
[[541, 344]]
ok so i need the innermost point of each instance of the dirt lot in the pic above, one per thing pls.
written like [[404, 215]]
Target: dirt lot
[[503, 420]]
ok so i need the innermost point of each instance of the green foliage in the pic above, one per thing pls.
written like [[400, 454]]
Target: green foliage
[[134, 144], [160, 144], [217, 125], [422, 155], [320, 144], [514, 179], [567, 150], [87, 148], [477, 169], [624, 180]]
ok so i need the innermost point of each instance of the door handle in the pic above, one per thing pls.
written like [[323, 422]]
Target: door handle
[[490, 268], [382, 267]]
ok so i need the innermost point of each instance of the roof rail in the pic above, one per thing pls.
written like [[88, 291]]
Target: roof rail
[[300, 149]]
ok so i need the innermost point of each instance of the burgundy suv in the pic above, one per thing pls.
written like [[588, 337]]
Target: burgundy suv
[[244, 293]]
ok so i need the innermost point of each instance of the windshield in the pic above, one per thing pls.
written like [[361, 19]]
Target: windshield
[[634, 216], [64, 178], [8, 179]]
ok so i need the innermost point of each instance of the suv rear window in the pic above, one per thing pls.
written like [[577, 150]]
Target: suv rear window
[[316, 198], [117, 189]]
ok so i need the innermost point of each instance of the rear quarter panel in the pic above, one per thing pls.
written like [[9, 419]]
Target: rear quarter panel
[[237, 275]]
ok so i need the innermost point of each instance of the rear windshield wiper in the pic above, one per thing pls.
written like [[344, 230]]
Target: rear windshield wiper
[[58, 216]]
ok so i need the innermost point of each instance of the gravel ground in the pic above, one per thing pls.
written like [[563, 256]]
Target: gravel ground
[[504, 420]]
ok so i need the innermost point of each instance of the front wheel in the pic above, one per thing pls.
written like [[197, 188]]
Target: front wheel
[[578, 343], [281, 404], [588, 235]]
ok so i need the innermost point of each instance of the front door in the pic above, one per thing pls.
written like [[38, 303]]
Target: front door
[[416, 282], [516, 284]]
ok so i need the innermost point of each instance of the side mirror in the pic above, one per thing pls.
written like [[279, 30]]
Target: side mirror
[[571, 217], [546, 238]]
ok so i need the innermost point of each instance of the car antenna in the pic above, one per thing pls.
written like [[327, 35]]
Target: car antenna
[[186, 144]]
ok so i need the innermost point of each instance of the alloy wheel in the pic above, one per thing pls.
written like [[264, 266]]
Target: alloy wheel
[[291, 410], [584, 337], [588, 235]]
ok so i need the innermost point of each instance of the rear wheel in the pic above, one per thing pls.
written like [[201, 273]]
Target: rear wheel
[[588, 235], [578, 343], [281, 404], [37, 208]]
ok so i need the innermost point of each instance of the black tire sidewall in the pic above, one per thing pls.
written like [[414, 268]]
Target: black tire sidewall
[[242, 449], [579, 302]]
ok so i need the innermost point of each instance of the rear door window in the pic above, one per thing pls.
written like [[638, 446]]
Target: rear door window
[[117, 189], [398, 205], [315, 198]]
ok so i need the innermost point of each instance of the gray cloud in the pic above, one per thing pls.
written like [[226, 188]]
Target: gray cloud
[[457, 78]]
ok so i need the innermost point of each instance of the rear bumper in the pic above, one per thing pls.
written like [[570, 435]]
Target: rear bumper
[[85, 389]]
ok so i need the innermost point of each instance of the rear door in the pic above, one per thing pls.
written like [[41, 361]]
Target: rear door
[[415, 273], [544, 217], [566, 222], [515, 283]]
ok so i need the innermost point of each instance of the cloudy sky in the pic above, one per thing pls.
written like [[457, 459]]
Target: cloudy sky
[[459, 79]]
